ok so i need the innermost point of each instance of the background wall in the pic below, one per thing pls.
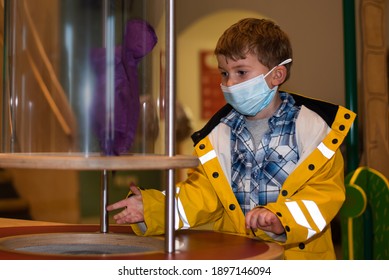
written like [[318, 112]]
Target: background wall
[[315, 29]]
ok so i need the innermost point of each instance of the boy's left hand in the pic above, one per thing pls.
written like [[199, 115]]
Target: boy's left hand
[[261, 218]]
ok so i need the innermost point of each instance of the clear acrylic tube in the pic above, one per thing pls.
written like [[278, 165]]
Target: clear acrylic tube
[[83, 76]]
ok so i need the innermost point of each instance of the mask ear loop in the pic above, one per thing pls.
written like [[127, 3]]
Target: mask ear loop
[[286, 61]]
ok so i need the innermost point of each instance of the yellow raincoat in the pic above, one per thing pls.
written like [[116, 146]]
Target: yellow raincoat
[[309, 199]]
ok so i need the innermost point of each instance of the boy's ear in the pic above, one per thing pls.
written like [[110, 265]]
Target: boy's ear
[[279, 75]]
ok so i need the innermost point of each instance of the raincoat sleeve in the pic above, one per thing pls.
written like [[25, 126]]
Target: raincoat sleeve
[[196, 204]]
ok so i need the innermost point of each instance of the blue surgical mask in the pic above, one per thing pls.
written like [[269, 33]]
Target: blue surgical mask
[[252, 96]]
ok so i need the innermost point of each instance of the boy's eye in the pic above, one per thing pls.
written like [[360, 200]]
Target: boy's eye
[[224, 74], [241, 73]]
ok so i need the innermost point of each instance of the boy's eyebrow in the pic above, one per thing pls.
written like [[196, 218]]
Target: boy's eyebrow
[[237, 66]]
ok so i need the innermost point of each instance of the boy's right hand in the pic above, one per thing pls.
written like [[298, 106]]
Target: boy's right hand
[[133, 208]]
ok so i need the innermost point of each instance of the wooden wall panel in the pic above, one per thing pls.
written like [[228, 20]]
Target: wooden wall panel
[[375, 103]]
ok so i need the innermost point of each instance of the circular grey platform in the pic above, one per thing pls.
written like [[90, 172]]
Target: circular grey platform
[[81, 244]]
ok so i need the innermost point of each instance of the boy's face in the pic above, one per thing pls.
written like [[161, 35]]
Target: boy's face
[[236, 71]]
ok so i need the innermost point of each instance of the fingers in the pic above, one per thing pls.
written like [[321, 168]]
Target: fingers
[[129, 216], [125, 202], [134, 189], [117, 205], [264, 219], [259, 218], [133, 207], [122, 217]]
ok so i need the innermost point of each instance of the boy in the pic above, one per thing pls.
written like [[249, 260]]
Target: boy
[[270, 163]]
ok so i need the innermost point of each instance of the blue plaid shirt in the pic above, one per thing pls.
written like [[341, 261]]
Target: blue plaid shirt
[[257, 177]]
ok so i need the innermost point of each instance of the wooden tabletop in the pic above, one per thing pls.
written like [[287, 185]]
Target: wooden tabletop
[[193, 244], [5, 222]]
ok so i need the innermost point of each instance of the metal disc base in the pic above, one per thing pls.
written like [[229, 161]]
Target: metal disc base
[[81, 244]]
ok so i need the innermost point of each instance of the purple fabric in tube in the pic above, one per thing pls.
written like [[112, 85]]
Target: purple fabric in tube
[[117, 136]]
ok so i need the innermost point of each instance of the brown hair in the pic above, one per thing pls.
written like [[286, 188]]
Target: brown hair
[[261, 37]]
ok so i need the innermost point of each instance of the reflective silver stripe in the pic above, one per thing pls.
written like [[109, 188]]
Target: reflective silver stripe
[[299, 217], [315, 213], [311, 233], [208, 156], [181, 212], [325, 150], [297, 214]]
